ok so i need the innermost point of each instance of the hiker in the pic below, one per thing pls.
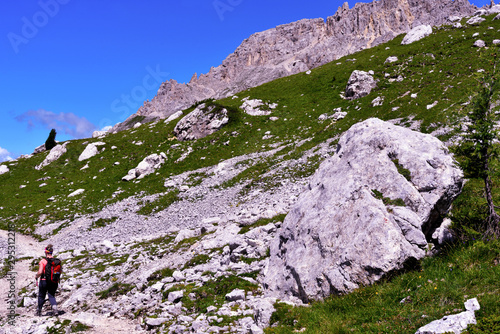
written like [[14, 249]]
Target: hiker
[[49, 270]]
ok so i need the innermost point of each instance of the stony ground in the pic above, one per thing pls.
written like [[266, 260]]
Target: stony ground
[[193, 266]]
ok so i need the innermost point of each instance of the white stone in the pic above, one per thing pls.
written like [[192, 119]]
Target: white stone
[[455, 323], [378, 101], [76, 192], [391, 60], [417, 34], [173, 116], [496, 41], [175, 296], [251, 107], [4, 169], [236, 294], [97, 134], [360, 84], [443, 234], [90, 151], [136, 125], [55, 153], [147, 166], [430, 106], [479, 43]]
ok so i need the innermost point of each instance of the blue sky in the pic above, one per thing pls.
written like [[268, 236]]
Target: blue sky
[[80, 65]]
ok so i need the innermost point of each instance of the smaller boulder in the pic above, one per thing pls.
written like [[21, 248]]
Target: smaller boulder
[[479, 43], [76, 193], [360, 84], [417, 34], [475, 20], [378, 101], [90, 151], [173, 116], [455, 323], [391, 60], [236, 294], [175, 296], [55, 153], [252, 107], [39, 149], [97, 134], [147, 166]]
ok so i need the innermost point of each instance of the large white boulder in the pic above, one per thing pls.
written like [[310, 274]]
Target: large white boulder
[[55, 153], [368, 210], [417, 34]]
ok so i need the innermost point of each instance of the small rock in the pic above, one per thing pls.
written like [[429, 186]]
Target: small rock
[[479, 43], [76, 192], [175, 296]]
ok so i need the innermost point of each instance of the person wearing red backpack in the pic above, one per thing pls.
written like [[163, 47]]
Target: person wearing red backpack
[[49, 270]]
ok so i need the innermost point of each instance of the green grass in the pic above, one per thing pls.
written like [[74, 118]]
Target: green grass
[[159, 275], [212, 292], [262, 222]]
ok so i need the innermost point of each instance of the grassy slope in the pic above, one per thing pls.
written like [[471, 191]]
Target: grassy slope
[[442, 67]]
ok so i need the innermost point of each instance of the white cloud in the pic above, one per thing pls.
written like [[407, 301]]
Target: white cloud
[[69, 123], [4, 155]]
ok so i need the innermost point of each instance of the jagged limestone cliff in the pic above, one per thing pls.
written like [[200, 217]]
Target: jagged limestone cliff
[[296, 47]]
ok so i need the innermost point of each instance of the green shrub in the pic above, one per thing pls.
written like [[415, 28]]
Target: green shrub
[[50, 143]]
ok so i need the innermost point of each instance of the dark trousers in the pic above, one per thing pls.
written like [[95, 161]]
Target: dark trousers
[[43, 288]]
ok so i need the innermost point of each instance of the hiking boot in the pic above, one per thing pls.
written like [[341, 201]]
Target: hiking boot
[[38, 312], [55, 312]]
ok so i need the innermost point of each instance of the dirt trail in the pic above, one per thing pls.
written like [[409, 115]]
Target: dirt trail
[[25, 278]]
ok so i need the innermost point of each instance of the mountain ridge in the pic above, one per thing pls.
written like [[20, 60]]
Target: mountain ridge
[[297, 47]]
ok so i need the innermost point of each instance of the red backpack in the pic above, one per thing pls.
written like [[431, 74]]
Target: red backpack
[[53, 270]]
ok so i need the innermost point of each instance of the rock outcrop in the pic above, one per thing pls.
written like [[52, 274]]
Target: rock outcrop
[[360, 84], [147, 166], [201, 122], [368, 210], [296, 47], [55, 153]]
